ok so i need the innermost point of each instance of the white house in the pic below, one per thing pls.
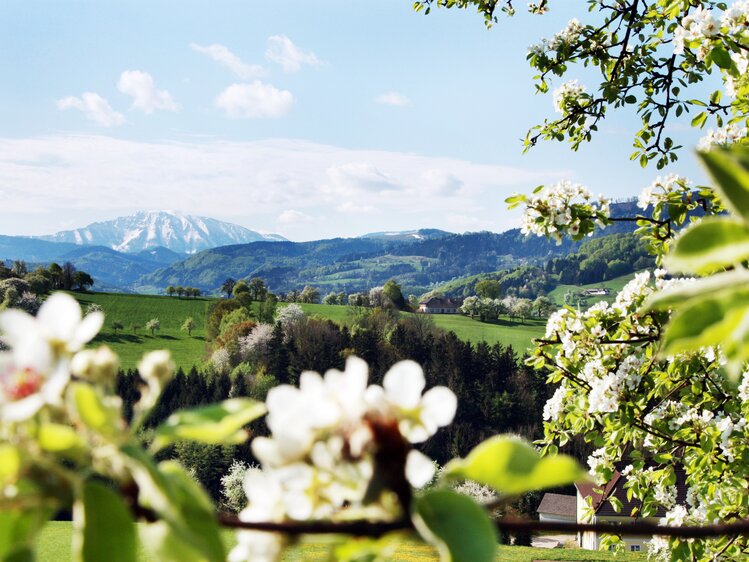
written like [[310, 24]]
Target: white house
[[592, 505], [603, 511], [559, 508]]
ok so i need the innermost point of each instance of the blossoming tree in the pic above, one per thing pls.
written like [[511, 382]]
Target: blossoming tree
[[657, 381]]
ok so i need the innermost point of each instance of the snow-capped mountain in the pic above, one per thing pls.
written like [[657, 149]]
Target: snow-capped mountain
[[180, 233]]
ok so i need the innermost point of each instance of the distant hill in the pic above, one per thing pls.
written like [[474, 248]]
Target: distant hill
[[109, 268], [421, 260], [355, 264], [185, 234], [410, 235], [596, 260], [161, 255], [31, 249]]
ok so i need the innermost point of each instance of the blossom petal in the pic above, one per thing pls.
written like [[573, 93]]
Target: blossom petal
[[404, 383], [33, 353], [420, 469], [87, 330], [16, 325], [55, 386], [23, 409], [59, 316], [439, 405]]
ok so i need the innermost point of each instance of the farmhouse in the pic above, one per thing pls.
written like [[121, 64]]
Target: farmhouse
[[557, 507], [439, 305], [597, 292]]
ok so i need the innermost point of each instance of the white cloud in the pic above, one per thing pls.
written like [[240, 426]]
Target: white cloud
[[250, 183], [94, 107], [441, 182], [292, 216], [283, 51], [353, 208], [354, 177], [254, 101], [393, 98], [226, 58], [139, 85]]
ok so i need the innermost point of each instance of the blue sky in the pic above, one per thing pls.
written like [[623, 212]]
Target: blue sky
[[310, 119]]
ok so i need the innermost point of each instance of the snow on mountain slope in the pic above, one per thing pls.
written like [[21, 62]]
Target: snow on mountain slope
[[180, 233]]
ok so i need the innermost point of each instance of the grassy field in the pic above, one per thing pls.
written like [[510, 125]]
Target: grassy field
[[128, 310], [506, 332], [614, 286], [516, 334], [55, 540]]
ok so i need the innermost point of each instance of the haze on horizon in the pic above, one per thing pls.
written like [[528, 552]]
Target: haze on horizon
[[337, 119]]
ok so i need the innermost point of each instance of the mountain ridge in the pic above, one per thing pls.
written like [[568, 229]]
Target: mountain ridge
[[144, 230]]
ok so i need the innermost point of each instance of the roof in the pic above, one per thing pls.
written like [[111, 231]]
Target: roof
[[558, 504], [439, 302], [615, 488]]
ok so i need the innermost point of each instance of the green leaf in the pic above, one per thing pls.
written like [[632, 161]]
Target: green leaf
[[17, 531], [704, 322], [183, 506], [93, 412], [165, 545], [57, 438], [215, 424], [721, 57], [714, 285], [456, 525], [10, 463], [511, 466], [729, 167], [699, 120], [106, 528], [709, 246]]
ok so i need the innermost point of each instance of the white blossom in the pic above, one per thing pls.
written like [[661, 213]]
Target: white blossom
[[568, 95], [36, 370], [320, 452], [419, 416], [98, 365], [658, 191], [729, 134], [555, 404]]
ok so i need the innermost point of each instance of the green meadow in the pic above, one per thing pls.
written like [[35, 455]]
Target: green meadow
[[507, 332], [131, 343], [134, 311], [55, 540], [613, 285]]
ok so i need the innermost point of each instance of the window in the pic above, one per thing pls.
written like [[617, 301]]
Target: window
[[634, 548]]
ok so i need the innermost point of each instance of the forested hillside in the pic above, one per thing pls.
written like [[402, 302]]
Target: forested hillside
[[596, 260]]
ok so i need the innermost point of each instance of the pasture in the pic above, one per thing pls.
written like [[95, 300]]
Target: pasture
[[507, 332], [134, 311], [53, 545], [613, 285]]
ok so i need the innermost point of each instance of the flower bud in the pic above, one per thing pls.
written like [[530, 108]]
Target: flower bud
[[97, 365], [157, 368]]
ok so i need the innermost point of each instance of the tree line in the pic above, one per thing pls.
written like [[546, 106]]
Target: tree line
[[496, 393], [21, 287]]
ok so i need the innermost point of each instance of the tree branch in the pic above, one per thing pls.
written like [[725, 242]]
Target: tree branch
[[378, 528]]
